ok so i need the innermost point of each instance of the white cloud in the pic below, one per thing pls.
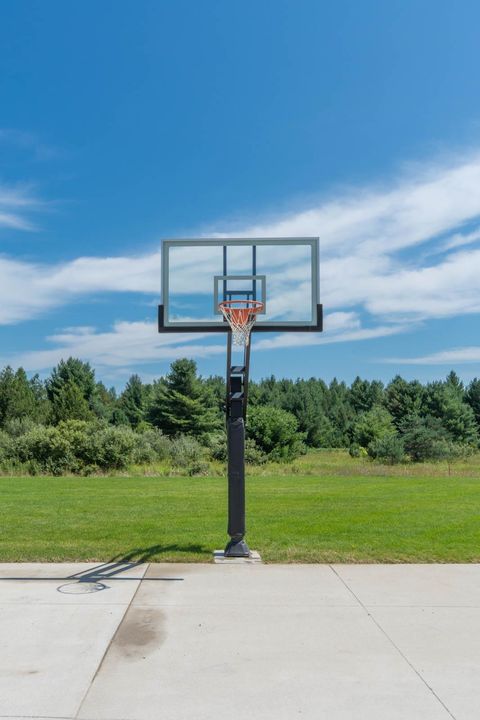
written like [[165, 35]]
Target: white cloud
[[443, 357], [127, 343], [16, 205], [376, 258], [361, 235], [460, 239], [138, 343], [428, 201], [28, 289], [285, 340]]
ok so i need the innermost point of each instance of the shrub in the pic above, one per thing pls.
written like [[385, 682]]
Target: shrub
[[185, 451], [372, 425], [424, 438], [388, 449], [217, 445], [151, 445], [275, 432], [143, 452], [19, 426], [198, 468], [7, 452], [253, 454], [357, 451], [75, 446], [48, 447], [114, 448], [81, 437]]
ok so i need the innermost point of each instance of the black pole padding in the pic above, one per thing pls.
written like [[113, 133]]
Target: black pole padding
[[236, 547], [236, 478]]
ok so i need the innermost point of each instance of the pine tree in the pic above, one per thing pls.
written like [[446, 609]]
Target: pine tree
[[69, 403], [74, 371], [472, 397], [373, 425], [306, 400], [103, 402], [364, 394], [424, 438], [454, 381], [403, 398], [445, 401], [132, 401], [179, 404], [459, 419], [340, 412], [20, 397], [71, 389]]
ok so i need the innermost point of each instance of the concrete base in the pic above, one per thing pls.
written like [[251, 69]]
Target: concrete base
[[219, 557]]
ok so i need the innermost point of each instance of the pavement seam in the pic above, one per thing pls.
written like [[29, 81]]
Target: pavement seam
[[112, 639], [392, 642]]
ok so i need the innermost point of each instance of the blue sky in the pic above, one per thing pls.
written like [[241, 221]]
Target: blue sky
[[124, 123]]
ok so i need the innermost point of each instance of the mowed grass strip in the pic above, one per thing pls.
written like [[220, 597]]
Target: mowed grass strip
[[290, 518]]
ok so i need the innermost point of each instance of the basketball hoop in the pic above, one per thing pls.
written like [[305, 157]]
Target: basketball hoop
[[240, 314]]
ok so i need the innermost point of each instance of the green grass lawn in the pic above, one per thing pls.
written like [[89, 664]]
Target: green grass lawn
[[324, 508]]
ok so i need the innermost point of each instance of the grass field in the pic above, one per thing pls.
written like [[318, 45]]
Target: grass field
[[326, 507]]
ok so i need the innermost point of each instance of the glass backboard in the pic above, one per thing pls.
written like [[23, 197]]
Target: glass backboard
[[282, 273]]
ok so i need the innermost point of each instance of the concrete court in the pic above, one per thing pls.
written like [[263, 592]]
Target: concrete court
[[251, 641]]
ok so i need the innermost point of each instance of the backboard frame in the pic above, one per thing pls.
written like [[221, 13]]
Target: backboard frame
[[314, 325]]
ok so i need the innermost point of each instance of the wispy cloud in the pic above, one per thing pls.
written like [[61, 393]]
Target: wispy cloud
[[51, 286], [376, 263], [16, 205], [19, 202], [128, 344], [456, 356]]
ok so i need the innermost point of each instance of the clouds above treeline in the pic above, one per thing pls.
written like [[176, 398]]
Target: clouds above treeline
[[398, 254]]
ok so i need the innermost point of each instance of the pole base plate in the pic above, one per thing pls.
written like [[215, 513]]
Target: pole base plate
[[220, 558], [237, 548]]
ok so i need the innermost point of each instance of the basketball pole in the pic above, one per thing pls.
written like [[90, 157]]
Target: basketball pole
[[237, 384]]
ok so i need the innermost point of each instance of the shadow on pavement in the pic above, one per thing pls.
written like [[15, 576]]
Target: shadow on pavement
[[141, 555]]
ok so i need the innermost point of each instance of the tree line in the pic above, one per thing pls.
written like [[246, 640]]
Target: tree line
[[72, 422]]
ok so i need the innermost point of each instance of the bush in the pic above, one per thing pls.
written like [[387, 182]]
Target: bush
[[19, 426], [151, 445], [217, 445], [198, 468], [372, 425], [275, 432], [114, 448], [388, 449], [75, 446], [47, 447], [143, 453], [424, 438], [7, 451], [78, 446], [81, 437], [253, 454], [357, 451], [185, 451]]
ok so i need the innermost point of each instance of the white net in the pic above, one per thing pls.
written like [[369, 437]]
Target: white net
[[241, 314]]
